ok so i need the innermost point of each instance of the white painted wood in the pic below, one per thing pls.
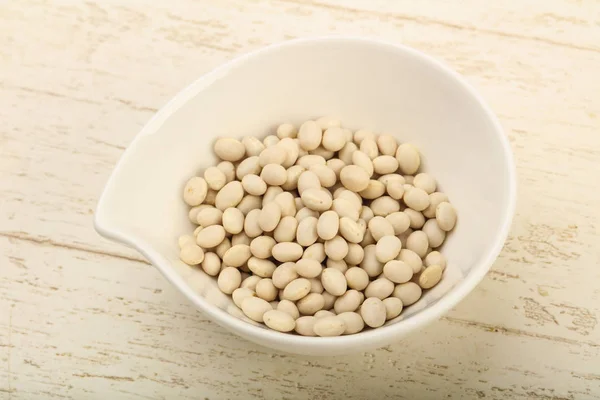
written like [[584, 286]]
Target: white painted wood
[[84, 318]]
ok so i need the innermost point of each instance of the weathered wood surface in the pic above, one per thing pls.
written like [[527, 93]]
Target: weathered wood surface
[[84, 318]]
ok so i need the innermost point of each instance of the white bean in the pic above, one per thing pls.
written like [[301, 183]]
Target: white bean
[[445, 215], [270, 216], [349, 301], [397, 271], [328, 225], [287, 251], [233, 220], [237, 255], [289, 307], [430, 276], [215, 178], [380, 288], [385, 165], [210, 236], [248, 166], [416, 198], [284, 274], [435, 235], [336, 248], [399, 221], [310, 135], [254, 185], [408, 158], [374, 190], [329, 326], [354, 178], [334, 139], [369, 147], [251, 224], [209, 216], [334, 281], [393, 307], [416, 218], [286, 130], [260, 267], [255, 308], [211, 264], [266, 290], [387, 248], [296, 289], [286, 229], [387, 144], [191, 254], [306, 233], [305, 326], [354, 322], [274, 174], [310, 304], [261, 246], [279, 321], [195, 191], [418, 242], [230, 196], [355, 254], [425, 181], [308, 268], [270, 195], [380, 227], [362, 160], [229, 280], [229, 149], [315, 252], [409, 293], [316, 199], [373, 312], [384, 206]]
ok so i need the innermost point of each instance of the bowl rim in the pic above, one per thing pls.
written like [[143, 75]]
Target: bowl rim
[[382, 335]]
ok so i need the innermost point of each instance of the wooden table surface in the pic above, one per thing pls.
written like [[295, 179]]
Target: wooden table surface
[[84, 318]]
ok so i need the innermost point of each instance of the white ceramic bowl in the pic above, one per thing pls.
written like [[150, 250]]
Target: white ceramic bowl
[[367, 84]]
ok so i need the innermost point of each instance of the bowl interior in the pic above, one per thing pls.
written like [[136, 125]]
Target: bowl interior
[[367, 85]]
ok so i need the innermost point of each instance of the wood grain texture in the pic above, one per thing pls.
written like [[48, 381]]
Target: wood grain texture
[[84, 318]]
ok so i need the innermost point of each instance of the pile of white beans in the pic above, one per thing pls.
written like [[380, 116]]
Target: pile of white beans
[[318, 230]]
